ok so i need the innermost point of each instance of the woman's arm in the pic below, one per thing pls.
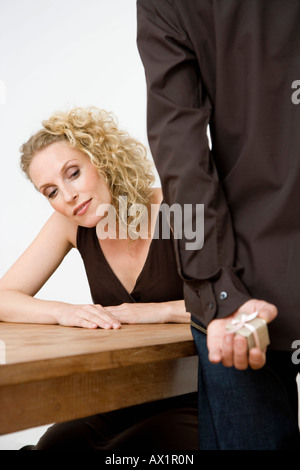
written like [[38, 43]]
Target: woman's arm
[[30, 272], [154, 312]]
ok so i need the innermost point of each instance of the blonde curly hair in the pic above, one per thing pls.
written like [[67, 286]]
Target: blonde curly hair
[[119, 158]]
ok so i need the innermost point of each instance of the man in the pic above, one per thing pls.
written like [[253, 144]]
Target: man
[[232, 65]]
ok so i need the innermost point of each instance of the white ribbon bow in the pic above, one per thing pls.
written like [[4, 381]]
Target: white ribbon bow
[[242, 321]]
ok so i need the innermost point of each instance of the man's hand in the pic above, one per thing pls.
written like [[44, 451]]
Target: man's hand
[[232, 349]]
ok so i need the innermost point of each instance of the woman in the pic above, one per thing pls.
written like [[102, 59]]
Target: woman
[[85, 166]]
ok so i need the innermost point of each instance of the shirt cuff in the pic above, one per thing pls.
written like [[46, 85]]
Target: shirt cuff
[[218, 298]]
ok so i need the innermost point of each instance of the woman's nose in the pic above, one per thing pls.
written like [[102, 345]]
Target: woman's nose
[[70, 195]]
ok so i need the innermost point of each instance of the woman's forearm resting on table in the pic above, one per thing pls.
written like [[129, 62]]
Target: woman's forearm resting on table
[[176, 312], [18, 307], [153, 312]]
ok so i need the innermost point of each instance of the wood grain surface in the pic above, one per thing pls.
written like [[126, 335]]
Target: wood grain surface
[[50, 373]]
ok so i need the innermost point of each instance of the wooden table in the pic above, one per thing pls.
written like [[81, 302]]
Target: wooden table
[[51, 373]]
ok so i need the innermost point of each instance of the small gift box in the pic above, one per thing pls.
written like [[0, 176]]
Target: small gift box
[[255, 329]]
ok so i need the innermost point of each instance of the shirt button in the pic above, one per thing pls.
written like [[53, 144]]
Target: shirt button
[[223, 295]]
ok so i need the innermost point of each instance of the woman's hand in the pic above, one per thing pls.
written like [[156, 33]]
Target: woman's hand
[[85, 316], [154, 312]]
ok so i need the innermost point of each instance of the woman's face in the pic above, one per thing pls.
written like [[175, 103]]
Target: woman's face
[[71, 183]]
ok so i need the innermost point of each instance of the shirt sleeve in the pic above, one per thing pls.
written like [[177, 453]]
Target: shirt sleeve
[[178, 112]]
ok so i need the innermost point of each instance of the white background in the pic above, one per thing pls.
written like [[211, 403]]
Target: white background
[[54, 55]]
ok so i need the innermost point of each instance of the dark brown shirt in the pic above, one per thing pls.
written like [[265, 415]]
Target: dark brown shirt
[[232, 65]]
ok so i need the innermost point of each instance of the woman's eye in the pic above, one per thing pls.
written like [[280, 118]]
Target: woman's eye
[[74, 174], [52, 194]]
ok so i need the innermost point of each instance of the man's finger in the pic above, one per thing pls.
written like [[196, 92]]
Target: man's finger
[[257, 358], [215, 356], [268, 313], [240, 352], [227, 360]]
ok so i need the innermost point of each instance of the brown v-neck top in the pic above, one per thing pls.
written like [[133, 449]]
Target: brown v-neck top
[[158, 281]]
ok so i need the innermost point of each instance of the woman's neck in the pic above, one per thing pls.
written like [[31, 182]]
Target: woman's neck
[[137, 224]]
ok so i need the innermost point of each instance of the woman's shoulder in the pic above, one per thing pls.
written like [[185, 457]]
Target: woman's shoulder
[[64, 227], [157, 196]]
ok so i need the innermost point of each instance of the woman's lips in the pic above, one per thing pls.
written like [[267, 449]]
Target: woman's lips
[[82, 208]]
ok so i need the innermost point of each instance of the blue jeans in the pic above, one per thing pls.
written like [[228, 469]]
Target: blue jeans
[[249, 409]]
